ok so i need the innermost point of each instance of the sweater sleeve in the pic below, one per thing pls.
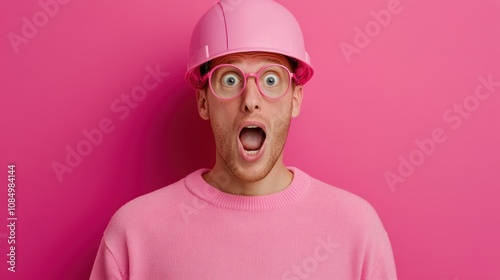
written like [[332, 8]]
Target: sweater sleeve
[[384, 267], [111, 262], [377, 257], [105, 265]]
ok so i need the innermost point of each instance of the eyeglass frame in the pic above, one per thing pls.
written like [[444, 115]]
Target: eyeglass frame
[[208, 76]]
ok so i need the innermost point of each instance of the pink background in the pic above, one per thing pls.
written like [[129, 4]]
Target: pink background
[[358, 117]]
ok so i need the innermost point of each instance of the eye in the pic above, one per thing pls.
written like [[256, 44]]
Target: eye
[[230, 79], [271, 79]]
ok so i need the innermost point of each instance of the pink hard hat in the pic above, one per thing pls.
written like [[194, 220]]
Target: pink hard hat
[[234, 26]]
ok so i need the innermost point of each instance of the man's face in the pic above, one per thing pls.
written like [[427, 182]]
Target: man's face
[[250, 131]]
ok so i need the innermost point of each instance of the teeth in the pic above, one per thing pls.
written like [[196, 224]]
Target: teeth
[[251, 126], [251, 152]]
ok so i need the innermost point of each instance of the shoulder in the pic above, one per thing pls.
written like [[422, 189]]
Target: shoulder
[[143, 211], [156, 199], [341, 204], [339, 195]]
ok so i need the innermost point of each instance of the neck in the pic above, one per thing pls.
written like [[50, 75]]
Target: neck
[[223, 179]]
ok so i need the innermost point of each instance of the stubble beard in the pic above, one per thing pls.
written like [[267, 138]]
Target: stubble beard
[[227, 149]]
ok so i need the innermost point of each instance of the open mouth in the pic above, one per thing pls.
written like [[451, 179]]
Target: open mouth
[[252, 138]]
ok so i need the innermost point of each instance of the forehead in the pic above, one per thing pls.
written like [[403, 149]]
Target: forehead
[[251, 59]]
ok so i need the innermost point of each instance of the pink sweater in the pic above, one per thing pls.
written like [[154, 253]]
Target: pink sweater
[[191, 230]]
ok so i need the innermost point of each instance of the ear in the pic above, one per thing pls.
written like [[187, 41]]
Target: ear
[[297, 100], [201, 97]]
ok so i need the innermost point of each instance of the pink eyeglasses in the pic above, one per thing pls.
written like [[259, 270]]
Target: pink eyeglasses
[[228, 81]]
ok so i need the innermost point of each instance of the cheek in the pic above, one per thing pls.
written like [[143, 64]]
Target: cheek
[[282, 114], [221, 114]]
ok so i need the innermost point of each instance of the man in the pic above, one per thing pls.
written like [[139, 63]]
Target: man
[[250, 216]]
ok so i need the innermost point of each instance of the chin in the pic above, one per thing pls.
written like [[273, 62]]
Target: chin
[[256, 171], [251, 174]]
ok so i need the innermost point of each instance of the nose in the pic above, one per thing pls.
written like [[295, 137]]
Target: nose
[[251, 96]]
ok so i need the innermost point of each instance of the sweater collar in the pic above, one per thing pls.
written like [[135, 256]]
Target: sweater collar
[[296, 190]]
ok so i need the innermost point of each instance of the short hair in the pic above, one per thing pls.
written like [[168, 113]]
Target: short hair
[[205, 67]]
